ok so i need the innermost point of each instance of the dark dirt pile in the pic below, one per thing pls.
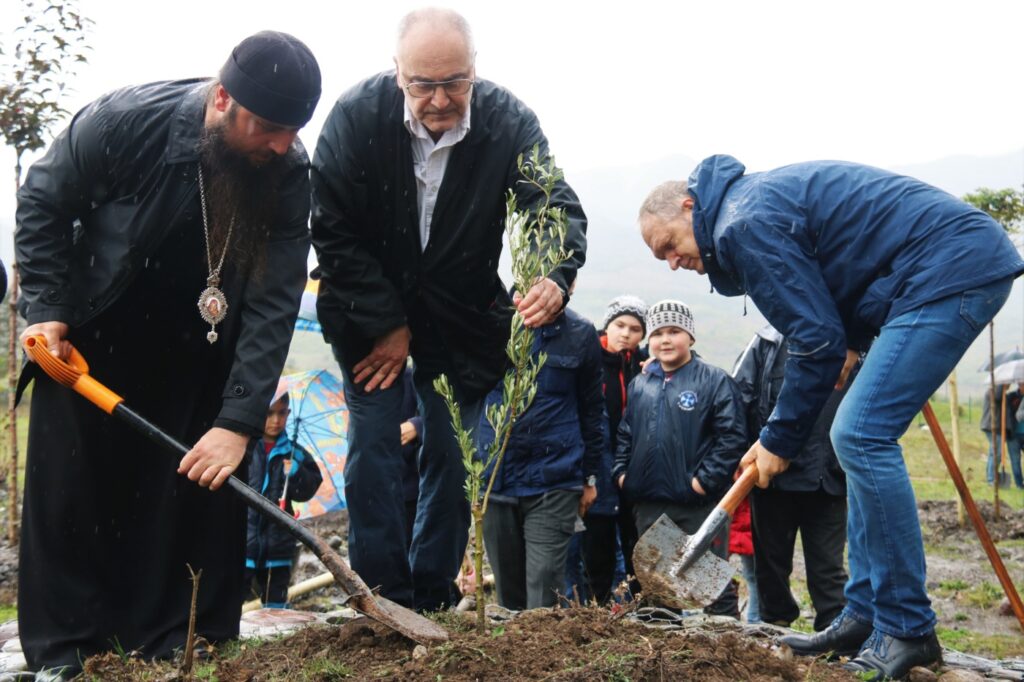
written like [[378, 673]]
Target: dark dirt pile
[[571, 644], [940, 519]]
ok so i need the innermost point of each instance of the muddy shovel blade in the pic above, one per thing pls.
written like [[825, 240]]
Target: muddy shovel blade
[[656, 559], [678, 570]]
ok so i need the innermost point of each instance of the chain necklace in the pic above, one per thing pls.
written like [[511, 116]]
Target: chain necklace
[[213, 305]]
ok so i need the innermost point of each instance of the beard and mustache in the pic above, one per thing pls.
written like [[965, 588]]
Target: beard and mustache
[[238, 189]]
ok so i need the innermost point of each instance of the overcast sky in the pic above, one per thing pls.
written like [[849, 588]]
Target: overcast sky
[[886, 83]]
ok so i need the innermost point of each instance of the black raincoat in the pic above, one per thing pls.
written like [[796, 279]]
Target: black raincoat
[[110, 241], [365, 223]]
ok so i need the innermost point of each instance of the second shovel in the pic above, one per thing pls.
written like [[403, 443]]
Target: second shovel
[[675, 569]]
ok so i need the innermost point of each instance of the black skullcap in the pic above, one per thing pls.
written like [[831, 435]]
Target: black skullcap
[[275, 76]]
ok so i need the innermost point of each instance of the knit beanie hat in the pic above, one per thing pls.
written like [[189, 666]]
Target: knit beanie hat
[[626, 305], [669, 313], [275, 76]]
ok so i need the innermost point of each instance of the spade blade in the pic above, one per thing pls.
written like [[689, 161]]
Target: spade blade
[[656, 559]]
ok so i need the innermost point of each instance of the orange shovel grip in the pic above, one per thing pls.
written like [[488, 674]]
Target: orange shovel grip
[[74, 374]]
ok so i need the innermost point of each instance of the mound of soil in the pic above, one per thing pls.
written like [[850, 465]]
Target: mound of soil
[[940, 519], [570, 644]]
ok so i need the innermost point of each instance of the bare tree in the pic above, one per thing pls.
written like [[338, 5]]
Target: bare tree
[[39, 58]]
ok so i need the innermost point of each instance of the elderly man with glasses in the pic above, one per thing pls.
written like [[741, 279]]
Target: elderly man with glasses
[[409, 182]]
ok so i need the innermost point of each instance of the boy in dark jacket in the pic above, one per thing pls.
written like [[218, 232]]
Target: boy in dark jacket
[[681, 436], [621, 356], [284, 473], [549, 471]]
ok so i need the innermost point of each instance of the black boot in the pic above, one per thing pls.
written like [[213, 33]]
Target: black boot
[[890, 658], [844, 637]]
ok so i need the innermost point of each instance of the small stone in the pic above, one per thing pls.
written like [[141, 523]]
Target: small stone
[[419, 652], [784, 652], [335, 541], [961, 675], [919, 674], [1005, 609]]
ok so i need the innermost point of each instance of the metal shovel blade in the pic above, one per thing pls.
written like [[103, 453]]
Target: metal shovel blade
[[656, 559]]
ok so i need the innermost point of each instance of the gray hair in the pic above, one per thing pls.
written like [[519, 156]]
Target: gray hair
[[664, 200], [437, 17]]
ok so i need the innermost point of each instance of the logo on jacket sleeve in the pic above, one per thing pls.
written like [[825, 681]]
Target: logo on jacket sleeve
[[687, 401]]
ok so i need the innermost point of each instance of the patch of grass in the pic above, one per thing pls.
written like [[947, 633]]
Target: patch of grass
[[944, 551], [8, 612], [924, 463], [325, 670], [950, 588], [205, 671], [801, 624], [619, 667], [984, 595], [994, 645], [234, 648], [452, 621]]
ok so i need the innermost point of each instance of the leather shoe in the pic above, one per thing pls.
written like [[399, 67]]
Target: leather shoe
[[885, 657], [844, 637]]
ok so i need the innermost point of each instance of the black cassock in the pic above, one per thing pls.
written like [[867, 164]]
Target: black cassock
[[108, 526]]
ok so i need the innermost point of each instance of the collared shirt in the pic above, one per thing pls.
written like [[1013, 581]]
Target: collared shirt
[[429, 160]]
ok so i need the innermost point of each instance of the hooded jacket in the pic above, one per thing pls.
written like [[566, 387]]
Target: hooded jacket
[[375, 274], [675, 428], [829, 252], [111, 187], [269, 544], [561, 438]]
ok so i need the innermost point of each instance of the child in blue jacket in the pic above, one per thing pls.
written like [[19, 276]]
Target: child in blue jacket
[[682, 434], [284, 473]]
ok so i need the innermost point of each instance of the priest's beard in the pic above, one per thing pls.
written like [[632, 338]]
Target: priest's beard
[[238, 189]]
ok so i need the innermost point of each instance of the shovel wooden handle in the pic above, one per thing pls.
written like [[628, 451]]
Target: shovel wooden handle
[[739, 490], [972, 510]]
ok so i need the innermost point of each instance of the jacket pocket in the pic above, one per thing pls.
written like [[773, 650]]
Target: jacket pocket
[[558, 375]]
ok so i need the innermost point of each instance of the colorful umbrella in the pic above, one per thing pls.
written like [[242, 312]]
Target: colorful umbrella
[[308, 321], [319, 423]]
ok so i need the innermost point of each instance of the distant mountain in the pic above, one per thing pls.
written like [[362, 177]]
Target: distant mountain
[[959, 175]]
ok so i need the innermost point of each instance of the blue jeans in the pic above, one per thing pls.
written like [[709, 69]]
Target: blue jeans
[[423, 576], [913, 355], [754, 597], [1012, 449]]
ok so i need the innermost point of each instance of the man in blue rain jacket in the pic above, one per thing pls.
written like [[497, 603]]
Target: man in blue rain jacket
[[841, 257]]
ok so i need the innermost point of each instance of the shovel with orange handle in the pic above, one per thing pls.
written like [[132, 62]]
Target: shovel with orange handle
[[75, 375]]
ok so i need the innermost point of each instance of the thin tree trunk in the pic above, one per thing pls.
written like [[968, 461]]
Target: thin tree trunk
[[478, 566], [12, 411], [992, 410], [12, 387], [954, 423]]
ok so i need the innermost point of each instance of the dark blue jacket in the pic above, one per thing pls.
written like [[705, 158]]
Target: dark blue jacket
[[690, 424], [268, 543], [758, 374], [560, 440], [830, 251]]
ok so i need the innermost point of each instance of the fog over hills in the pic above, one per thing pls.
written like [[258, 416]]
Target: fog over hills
[[619, 262]]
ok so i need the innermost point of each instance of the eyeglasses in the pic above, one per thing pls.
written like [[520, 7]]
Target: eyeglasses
[[454, 87]]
